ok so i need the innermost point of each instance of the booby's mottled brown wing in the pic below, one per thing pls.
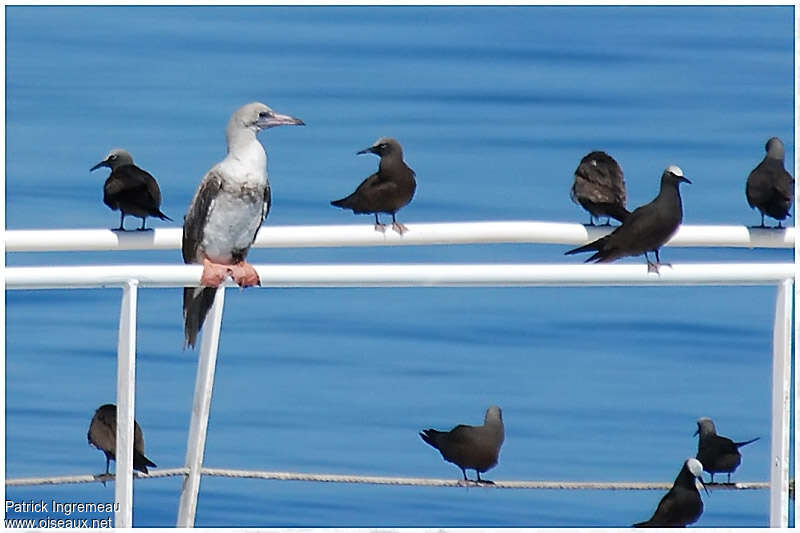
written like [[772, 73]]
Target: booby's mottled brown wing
[[194, 221]]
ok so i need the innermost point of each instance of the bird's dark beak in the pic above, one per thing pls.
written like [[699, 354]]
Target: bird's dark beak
[[696, 432], [100, 164], [684, 180], [276, 119], [371, 149]]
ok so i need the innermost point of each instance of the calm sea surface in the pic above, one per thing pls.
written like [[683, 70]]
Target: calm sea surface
[[494, 107]]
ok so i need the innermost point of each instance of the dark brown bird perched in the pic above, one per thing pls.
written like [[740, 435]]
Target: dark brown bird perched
[[599, 187], [103, 436], [474, 447], [717, 453], [682, 505], [130, 189], [386, 191], [770, 188], [646, 229]]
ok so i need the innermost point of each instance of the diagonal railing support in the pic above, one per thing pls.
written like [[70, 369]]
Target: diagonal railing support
[[126, 392], [201, 406], [781, 405]]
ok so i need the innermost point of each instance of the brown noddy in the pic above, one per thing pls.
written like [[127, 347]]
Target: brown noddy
[[130, 189], [599, 187], [646, 229], [103, 436], [474, 447], [386, 191], [770, 188], [682, 505], [226, 212], [717, 453]]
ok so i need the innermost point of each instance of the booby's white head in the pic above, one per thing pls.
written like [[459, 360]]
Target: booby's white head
[[115, 158], [493, 414], [694, 466], [257, 116]]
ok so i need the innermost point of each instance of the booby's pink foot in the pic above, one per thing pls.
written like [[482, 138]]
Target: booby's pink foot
[[380, 228], [244, 274], [213, 274]]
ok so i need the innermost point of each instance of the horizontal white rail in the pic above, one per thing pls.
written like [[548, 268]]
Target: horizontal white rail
[[409, 275], [365, 235], [380, 480]]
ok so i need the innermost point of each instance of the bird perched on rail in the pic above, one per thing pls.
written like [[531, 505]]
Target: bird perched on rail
[[599, 187], [717, 453], [682, 505], [770, 188], [473, 447], [130, 189], [646, 229], [227, 210], [103, 436], [387, 190]]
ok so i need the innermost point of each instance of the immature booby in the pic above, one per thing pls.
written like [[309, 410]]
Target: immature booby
[[646, 229], [386, 191], [103, 436], [474, 447], [227, 210], [130, 189], [717, 453], [770, 188], [599, 187], [682, 505]]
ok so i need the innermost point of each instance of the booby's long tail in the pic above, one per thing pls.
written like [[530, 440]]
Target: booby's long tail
[[430, 436], [591, 247], [618, 212], [196, 303]]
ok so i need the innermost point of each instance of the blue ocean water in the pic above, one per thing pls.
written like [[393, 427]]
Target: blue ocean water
[[494, 107]]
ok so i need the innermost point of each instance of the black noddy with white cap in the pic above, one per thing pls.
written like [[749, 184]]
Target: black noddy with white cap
[[770, 188], [130, 189], [386, 191], [646, 229], [231, 202], [473, 447], [103, 436], [717, 453], [682, 505], [599, 187]]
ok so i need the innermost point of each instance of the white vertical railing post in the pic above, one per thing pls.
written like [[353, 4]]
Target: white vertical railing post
[[201, 405], [781, 403], [126, 388]]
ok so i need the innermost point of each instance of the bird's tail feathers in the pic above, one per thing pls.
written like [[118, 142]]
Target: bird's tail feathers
[[196, 303], [140, 462], [161, 215], [740, 444], [592, 246], [430, 436], [342, 202], [618, 212]]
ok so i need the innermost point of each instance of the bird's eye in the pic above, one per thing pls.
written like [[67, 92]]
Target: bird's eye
[[112, 157], [264, 114]]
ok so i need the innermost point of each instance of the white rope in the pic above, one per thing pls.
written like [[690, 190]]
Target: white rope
[[91, 478], [381, 480]]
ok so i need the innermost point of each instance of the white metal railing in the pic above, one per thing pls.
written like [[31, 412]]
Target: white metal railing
[[365, 235], [131, 277]]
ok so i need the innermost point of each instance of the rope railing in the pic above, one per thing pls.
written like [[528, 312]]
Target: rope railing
[[380, 480], [269, 236]]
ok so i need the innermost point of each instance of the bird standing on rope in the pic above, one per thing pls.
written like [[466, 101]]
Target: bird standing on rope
[[103, 436], [717, 453], [473, 447]]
